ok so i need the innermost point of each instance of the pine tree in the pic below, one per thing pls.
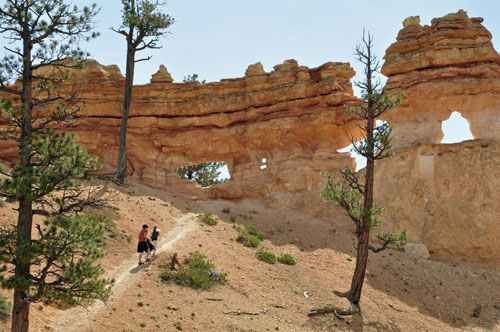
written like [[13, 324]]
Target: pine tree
[[193, 78], [58, 262], [205, 174], [143, 25], [353, 195]]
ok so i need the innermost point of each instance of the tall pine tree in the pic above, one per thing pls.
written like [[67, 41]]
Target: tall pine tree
[[143, 25], [58, 262]]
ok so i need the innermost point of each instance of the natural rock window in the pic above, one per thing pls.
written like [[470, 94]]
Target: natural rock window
[[205, 174], [264, 164], [456, 129], [360, 160]]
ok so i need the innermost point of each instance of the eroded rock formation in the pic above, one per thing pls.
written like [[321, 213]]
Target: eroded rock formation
[[447, 194], [294, 118], [448, 66]]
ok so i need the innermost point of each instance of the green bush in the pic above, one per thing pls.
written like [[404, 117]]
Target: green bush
[[198, 273], [208, 218], [266, 256], [287, 259], [249, 236], [252, 241], [252, 231], [5, 308]]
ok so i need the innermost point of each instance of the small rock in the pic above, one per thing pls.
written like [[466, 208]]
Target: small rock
[[255, 69], [412, 20], [162, 76], [286, 65], [417, 250]]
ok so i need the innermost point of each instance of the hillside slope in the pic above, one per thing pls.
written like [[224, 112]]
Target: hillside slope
[[402, 293]]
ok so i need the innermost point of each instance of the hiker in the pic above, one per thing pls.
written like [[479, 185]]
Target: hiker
[[154, 238], [143, 245]]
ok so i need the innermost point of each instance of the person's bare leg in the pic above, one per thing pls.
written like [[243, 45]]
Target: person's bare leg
[[155, 243], [140, 258]]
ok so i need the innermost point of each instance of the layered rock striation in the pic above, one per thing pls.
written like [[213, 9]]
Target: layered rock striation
[[448, 66]]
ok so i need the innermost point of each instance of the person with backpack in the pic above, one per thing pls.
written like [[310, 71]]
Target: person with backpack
[[154, 238]]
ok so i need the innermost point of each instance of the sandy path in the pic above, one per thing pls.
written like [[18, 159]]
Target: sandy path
[[76, 319]]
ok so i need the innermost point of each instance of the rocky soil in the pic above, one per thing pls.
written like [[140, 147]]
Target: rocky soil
[[401, 293]]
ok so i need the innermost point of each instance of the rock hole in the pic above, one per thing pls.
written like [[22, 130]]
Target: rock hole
[[264, 163], [205, 174], [456, 129], [360, 160]]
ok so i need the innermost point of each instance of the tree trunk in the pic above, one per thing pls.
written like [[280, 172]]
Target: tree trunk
[[358, 278], [121, 170], [363, 229], [20, 314], [20, 308]]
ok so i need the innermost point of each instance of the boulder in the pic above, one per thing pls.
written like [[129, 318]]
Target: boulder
[[417, 250]]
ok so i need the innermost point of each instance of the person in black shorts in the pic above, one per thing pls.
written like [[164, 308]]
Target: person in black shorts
[[143, 245]]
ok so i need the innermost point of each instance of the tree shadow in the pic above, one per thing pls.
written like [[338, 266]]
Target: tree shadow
[[354, 323]]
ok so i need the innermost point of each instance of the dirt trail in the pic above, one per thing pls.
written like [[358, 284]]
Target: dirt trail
[[76, 319]]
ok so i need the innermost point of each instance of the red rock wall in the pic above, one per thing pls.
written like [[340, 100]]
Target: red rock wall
[[294, 117]]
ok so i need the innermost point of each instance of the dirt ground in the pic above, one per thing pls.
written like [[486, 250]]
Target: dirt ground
[[401, 292]]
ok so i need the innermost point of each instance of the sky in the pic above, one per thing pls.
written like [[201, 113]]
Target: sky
[[218, 39]]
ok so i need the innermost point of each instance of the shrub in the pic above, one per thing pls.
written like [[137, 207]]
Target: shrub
[[198, 273], [253, 231], [477, 311], [287, 259], [5, 308], [249, 236], [208, 218], [252, 241], [266, 256]]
